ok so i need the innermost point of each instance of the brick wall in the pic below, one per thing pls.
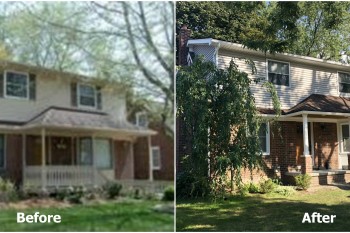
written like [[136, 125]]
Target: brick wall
[[13, 169], [166, 146], [141, 158], [326, 145]]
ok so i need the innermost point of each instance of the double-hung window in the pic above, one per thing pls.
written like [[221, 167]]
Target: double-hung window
[[344, 82], [345, 138], [156, 158], [278, 73], [264, 137], [87, 95], [141, 119], [17, 85], [2, 151]]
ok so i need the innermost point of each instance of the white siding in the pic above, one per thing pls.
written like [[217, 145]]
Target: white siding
[[55, 90], [304, 79]]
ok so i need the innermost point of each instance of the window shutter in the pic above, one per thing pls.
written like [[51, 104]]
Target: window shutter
[[32, 86], [73, 91], [99, 98], [1, 84]]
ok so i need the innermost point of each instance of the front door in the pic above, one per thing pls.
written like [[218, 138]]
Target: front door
[[299, 150]]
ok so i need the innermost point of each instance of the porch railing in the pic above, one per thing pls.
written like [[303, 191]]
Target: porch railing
[[59, 176]]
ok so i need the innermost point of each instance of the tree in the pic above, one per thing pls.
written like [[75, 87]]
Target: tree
[[126, 42], [220, 102], [317, 29]]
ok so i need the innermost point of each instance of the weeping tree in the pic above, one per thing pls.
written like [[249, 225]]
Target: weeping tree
[[221, 124]]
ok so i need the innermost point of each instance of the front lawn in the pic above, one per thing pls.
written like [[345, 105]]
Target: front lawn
[[263, 212], [112, 216]]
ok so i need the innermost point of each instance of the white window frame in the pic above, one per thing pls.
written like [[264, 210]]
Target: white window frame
[[5, 148], [338, 81], [267, 152], [341, 138], [78, 96], [138, 115], [160, 160], [5, 85], [267, 72]]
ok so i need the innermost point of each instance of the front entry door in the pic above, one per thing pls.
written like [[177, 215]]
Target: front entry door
[[299, 150]]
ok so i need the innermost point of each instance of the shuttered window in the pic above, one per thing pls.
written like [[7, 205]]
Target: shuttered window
[[344, 82], [278, 73], [17, 85]]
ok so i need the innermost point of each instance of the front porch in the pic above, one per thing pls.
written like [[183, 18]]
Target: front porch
[[323, 177], [58, 158]]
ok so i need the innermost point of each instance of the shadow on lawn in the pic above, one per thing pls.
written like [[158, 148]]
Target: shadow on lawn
[[258, 214]]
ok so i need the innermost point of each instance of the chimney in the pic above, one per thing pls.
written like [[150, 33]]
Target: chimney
[[184, 36]]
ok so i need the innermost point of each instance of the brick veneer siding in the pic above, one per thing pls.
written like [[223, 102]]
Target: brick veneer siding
[[283, 137], [166, 145], [13, 169], [141, 161], [326, 145]]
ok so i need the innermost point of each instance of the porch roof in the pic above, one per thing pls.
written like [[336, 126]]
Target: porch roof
[[317, 104], [76, 119]]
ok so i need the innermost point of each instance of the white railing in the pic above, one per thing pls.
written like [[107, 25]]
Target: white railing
[[57, 176]]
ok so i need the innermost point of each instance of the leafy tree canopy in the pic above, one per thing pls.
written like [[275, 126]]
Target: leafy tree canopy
[[317, 29]]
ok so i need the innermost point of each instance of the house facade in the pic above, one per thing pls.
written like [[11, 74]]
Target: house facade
[[63, 129], [312, 134]]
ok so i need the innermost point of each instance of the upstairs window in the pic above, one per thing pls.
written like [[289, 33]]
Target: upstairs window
[[155, 158], [344, 82], [17, 85], [141, 119], [264, 136], [278, 73], [86, 95]]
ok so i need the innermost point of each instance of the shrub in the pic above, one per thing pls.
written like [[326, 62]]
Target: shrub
[[243, 190], [267, 186], [303, 181], [113, 189], [253, 188], [284, 190], [168, 194], [8, 191]]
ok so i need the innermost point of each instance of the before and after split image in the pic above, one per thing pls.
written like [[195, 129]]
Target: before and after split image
[[163, 116]]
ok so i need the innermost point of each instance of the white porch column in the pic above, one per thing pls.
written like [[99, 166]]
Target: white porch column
[[150, 159], [305, 136], [43, 160], [131, 154]]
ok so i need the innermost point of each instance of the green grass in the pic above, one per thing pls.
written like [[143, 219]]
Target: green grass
[[261, 212], [104, 217]]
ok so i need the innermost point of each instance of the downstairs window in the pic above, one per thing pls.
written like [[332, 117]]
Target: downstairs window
[[264, 136], [2, 151]]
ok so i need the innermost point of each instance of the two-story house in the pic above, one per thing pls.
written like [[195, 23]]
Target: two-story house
[[62, 129], [314, 135]]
